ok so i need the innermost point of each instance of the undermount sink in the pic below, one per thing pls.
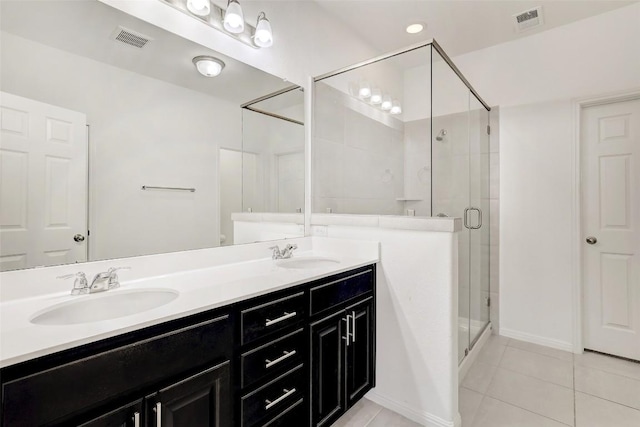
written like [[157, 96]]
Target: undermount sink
[[104, 306], [307, 262]]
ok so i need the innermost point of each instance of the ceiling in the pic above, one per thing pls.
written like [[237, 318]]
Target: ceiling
[[459, 26], [84, 28]]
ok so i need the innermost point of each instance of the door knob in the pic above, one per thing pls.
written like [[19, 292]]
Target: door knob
[[78, 238], [592, 240]]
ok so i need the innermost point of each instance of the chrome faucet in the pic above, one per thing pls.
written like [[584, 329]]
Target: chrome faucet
[[101, 282], [287, 252]]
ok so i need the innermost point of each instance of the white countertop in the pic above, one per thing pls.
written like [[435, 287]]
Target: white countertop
[[200, 290]]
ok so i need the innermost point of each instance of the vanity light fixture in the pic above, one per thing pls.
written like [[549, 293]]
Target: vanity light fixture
[[395, 107], [234, 18], [263, 36], [386, 103], [208, 66], [199, 7], [230, 21], [376, 96]]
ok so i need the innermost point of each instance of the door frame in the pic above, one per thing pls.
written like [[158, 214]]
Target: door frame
[[576, 248]]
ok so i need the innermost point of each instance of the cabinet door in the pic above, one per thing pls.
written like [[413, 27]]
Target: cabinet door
[[327, 367], [203, 400], [125, 416], [360, 351]]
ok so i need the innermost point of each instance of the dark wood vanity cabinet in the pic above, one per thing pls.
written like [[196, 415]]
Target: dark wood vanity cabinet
[[281, 359], [342, 350]]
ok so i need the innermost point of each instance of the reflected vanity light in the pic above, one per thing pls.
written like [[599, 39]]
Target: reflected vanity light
[[376, 96], [208, 66], [395, 107], [386, 103], [365, 89]]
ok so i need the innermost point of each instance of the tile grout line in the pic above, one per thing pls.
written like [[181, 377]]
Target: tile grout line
[[524, 409], [607, 400], [535, 378], [374, 417], [608, 372]]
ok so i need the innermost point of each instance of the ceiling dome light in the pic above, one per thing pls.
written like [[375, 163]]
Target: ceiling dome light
[[415, 28], [263, 36], [386, 103], [365, 89], [208, 66], [376, 96], [234, 18], [396, 108], [199, 7]]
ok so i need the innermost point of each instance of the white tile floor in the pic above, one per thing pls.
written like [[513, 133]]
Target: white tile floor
[[517, 384]]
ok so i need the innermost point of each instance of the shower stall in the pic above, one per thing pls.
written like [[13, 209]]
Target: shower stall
[[406, 134]]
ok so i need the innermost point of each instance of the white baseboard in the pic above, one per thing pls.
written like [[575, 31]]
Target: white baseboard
[[535, 339], [423, 418]]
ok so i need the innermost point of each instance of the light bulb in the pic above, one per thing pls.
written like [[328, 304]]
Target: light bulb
[[376, 96], [386, 103], [263, 36], [395, 107], [365, 89], [199, 7], [234, 18], [208, 66]]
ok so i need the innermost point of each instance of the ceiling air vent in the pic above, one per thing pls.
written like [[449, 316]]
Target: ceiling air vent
[[130, 37], [528, 19]]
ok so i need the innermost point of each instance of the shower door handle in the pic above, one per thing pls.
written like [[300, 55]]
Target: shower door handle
[[466, 218]]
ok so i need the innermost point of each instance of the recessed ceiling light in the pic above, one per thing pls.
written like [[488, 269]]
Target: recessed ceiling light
[[415, 28]]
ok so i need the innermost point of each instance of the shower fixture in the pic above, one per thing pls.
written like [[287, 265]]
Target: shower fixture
[[441, 135]]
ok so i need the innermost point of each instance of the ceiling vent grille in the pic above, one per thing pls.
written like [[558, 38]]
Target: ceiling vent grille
[[528, 19], [129, 37]]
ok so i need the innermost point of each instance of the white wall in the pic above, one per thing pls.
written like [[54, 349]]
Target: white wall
[[137, 138], [534, 80]]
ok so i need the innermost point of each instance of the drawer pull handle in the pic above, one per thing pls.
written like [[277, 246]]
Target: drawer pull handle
[[286, 394], [285, 316], [136, 419], [285, 355], [158, 411]]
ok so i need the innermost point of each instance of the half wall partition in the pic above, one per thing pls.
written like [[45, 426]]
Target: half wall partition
[[406, 134]]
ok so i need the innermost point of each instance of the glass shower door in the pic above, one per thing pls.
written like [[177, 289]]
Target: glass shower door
[[477, 219]]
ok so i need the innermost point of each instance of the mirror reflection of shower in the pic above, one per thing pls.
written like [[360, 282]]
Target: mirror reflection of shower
[[441, 135]]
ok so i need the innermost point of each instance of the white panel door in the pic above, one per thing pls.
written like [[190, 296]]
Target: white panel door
[[611, 235], [43, 184]]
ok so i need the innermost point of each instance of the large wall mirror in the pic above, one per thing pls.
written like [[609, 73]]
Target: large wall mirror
[[113, 145]]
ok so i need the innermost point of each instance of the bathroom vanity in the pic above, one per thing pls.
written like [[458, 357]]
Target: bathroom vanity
[[300, 355]]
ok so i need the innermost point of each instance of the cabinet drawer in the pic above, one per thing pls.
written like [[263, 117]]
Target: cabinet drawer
[[295, 415], [264, 319], [273, 358], [271, 400], [67, 390], [328, 295]]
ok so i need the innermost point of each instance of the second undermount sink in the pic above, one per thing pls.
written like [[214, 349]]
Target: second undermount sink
[[104, 306], [307, 262]]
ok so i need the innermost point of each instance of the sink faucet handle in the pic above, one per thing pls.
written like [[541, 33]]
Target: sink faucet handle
[[276, 252], [80, 285], [113, 276]]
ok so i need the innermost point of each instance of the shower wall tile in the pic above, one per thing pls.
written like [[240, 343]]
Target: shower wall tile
[[494, 175]]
